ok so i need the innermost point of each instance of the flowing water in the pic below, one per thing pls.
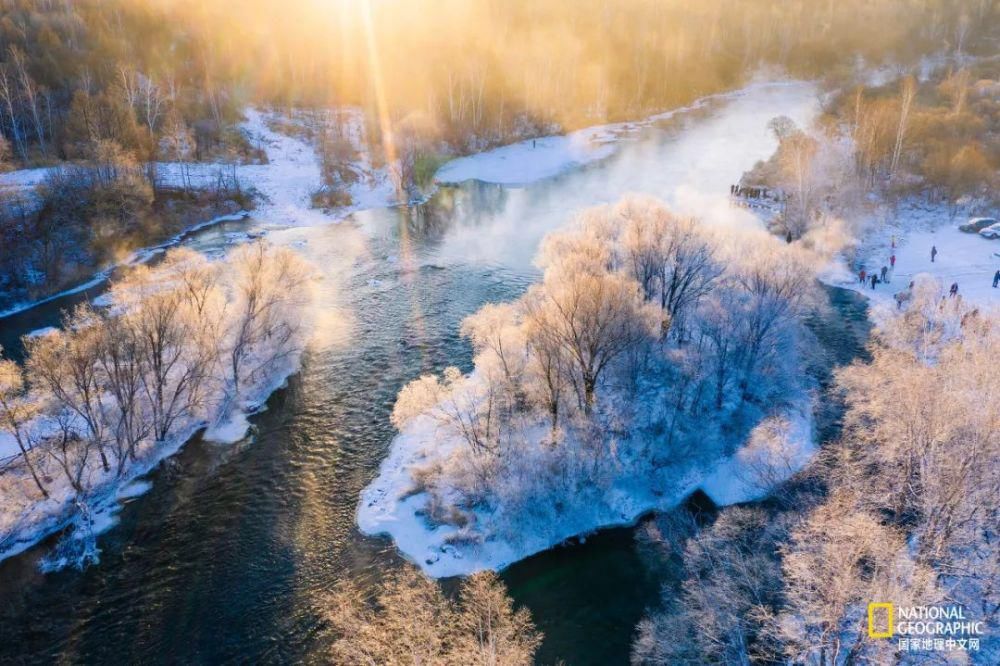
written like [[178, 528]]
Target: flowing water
[[230, 557]]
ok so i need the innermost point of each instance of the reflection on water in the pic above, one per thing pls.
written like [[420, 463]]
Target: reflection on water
[[231, 554]]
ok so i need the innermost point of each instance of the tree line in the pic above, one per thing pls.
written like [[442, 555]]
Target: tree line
[[183, 345], [143, 73], [934, 139]]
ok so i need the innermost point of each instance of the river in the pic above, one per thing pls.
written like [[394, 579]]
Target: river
[[229, 558]]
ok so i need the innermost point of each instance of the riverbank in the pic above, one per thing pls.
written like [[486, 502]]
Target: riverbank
[[102, 412], [531, 160], [84, 520], [282, 188]]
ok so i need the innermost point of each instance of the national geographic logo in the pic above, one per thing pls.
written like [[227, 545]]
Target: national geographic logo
[[923, 628]]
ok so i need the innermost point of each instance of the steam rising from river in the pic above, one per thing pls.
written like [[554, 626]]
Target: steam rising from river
[[689, 162]]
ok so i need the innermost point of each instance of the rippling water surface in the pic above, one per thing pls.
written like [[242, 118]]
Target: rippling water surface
[[230, 556]]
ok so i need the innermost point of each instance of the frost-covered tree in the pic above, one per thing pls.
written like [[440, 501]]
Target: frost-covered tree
[[116, 382], [410, 621], [838, 561], [731, 586], [173, 350], [673, 258], [498, 338], [62, 364], [17, 410], [121, 365], [774, 287], [270, 288], [593, 318]]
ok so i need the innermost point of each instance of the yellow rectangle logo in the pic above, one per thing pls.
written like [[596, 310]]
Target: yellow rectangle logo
[[872, 633]]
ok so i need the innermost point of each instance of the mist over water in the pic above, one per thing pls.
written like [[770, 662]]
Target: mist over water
[[229, 557]]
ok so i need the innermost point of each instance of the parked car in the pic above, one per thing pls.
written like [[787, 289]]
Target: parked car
[[977, 224], [991, 232]]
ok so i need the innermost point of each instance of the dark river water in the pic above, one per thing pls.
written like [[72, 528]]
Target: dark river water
[[230, 557]]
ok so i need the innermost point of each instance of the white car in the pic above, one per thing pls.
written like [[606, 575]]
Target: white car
[[977, 224], [991, 231]]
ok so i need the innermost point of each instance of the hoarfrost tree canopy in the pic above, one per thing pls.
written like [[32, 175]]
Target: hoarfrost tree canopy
[[637, 306], [901, 508], [410, 621]]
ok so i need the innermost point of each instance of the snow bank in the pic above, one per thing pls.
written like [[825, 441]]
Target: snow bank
[[534, 159], [736, 480], [24, 178]]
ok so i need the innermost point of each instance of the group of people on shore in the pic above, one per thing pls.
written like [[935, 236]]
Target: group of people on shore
[[885, 276]]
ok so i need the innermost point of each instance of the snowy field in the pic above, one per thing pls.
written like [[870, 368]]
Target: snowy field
[[966, 259]]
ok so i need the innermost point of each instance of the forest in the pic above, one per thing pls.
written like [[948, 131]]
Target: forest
[[111, 89]]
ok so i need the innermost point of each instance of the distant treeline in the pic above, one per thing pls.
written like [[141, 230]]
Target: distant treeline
[[168, 77]]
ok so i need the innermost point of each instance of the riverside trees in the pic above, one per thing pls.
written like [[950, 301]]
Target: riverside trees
[[410, 621], [104, 393]]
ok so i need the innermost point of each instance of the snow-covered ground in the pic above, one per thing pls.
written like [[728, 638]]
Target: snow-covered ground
[[967, 259], [534, 159], [285, 184], [24, 178], [292, 174]]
